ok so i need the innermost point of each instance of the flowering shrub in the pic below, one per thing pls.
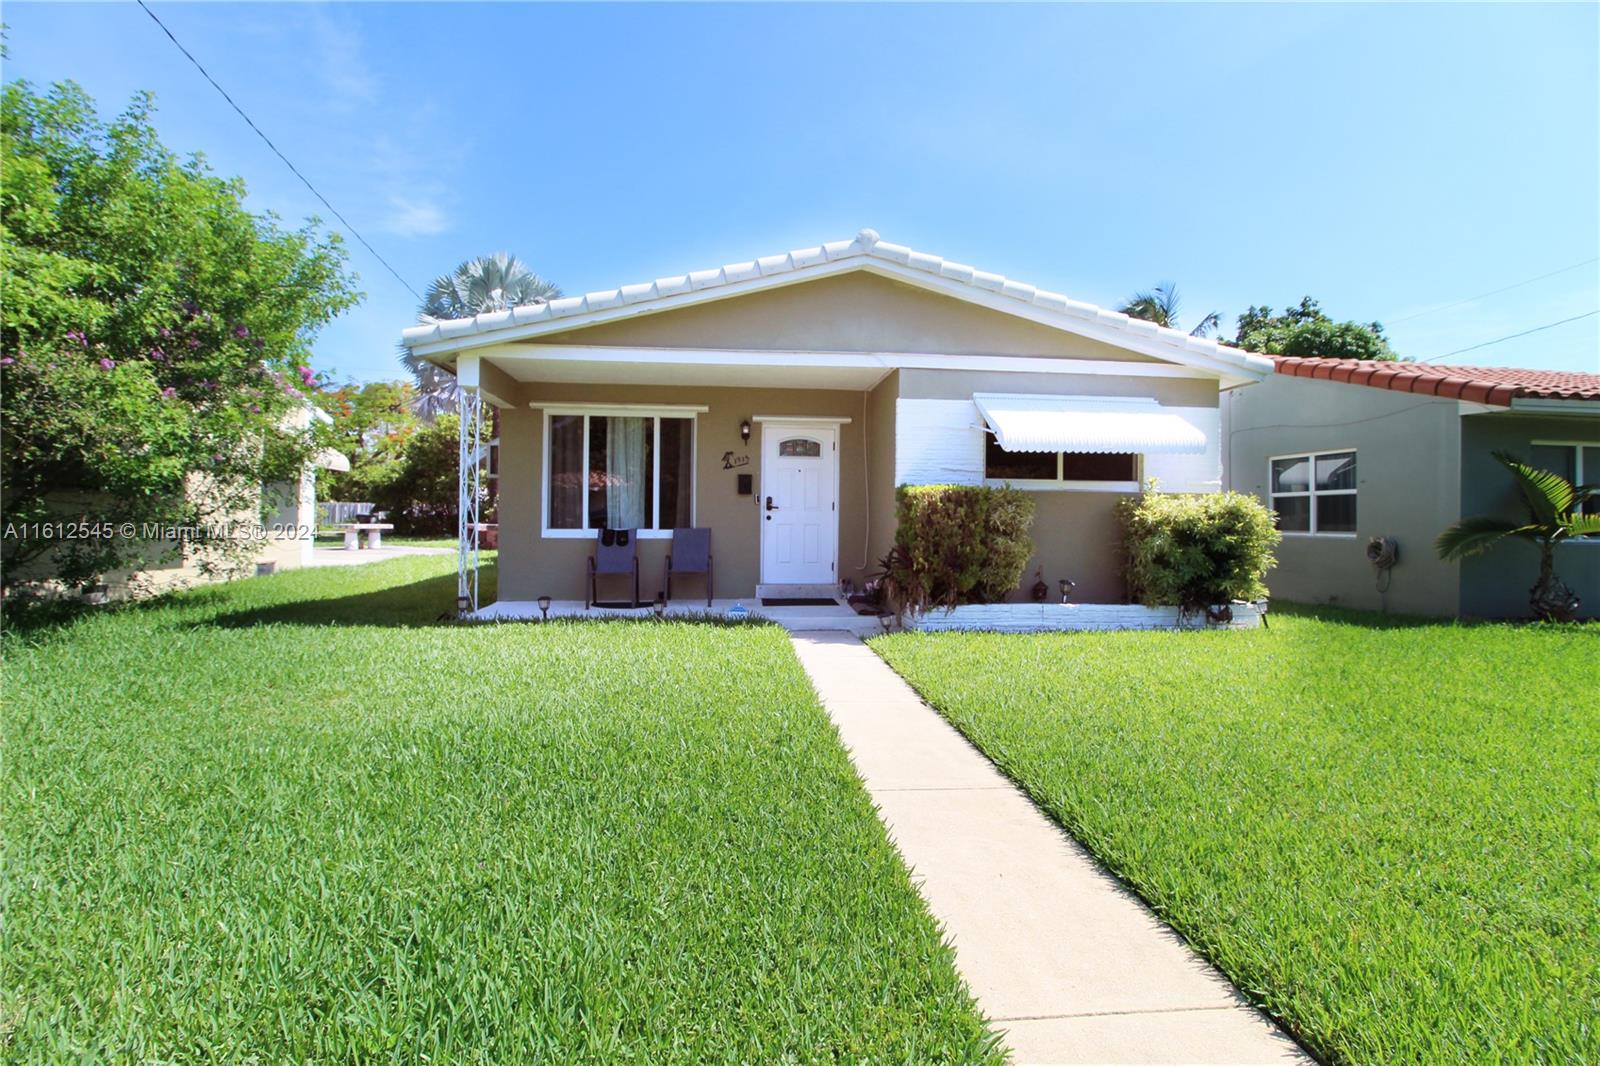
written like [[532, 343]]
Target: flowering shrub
[[1196, 551], [155, 334]]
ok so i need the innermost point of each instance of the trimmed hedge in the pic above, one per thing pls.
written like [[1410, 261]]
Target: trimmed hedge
[[1195, 551], [957, 544]]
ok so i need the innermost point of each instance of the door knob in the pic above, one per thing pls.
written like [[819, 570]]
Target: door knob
[[770, 505]]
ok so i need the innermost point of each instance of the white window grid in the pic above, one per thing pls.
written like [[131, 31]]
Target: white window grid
[[656, 414], [1059, 483], [1311, 491]]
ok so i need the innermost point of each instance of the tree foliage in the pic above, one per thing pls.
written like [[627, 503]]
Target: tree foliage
[[477, 286], [372, 424], [1305, 330], [1160, 305], [155, 334]]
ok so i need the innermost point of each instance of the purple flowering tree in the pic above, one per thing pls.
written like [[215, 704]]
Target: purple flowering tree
[[154, 342]]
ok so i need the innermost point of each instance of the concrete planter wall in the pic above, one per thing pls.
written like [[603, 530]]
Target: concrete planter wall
[[1051, 617]]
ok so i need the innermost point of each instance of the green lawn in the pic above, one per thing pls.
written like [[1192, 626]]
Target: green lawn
[[291, 819], [1389, 835]]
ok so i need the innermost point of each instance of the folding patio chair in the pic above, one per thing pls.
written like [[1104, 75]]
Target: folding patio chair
[[690, 554], [616, 551]]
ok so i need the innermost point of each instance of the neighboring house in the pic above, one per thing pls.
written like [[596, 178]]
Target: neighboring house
[[1346, 451], [286, 513], [779, 402]]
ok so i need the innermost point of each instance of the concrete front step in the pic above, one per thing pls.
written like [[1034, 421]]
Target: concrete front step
[[799, 592]]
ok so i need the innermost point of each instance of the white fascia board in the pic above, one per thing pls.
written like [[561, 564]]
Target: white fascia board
[[1090, 326], [885, 361], [836, 420], [663, 410], [1535, 405]]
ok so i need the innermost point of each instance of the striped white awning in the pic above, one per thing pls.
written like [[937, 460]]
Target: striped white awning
[[1087, 424]]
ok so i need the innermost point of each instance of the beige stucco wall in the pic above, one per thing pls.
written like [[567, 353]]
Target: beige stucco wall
[[961, 384], [1408, 454], [857, 312], [531, 565], [880, 469]]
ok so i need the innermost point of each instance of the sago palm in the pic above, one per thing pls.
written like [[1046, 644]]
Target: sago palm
[[1555, 514], [487, 283], [1160, 305]]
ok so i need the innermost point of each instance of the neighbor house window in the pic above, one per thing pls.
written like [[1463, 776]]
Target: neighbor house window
[[1111, 470], [1315, 493], [618, 471], [1577, 461]]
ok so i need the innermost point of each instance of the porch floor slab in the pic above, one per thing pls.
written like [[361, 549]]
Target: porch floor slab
[[1060, 955], [833, 617]]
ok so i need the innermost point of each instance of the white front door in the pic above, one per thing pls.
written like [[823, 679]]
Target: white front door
[[799, 504]]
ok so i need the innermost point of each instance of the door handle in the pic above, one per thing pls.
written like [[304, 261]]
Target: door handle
[[770, 505]]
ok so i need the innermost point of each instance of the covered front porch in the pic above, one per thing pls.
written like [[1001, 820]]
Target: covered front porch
[[778, 462]]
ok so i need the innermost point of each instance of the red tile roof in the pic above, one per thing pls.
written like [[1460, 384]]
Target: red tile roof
[[1477, 384]]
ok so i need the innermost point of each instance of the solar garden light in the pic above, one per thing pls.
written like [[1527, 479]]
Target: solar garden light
[[544, 608], [463, 605], [660, 605], [1066, 588]]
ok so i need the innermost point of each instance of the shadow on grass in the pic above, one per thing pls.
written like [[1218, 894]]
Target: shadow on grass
[[428, 602]]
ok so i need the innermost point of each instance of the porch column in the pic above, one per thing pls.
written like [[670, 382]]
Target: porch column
[[471, 456]]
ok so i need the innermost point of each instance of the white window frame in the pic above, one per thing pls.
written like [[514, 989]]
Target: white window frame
[[1312, 492], [655, 411], [1578, 476], [1059, 483]]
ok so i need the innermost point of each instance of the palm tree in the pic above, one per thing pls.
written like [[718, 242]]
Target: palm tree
[[487, 283], [1555, 513], [1160, 305]]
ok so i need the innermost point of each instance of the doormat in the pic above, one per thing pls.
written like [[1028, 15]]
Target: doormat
[[621, 605], [802, 602]]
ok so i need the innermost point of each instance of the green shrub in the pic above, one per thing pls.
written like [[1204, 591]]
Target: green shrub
[[957, 544], [1196, 550]]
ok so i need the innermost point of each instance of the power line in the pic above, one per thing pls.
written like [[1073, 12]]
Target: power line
[[268, 141], [1514, 336], [1491, 292]]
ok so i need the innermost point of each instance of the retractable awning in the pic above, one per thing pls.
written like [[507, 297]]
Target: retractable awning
[[1087, 424]]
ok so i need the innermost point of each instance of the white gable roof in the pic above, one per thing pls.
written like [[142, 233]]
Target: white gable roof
[[866, 251]]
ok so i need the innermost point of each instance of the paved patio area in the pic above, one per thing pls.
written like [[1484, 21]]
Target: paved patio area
[[1069, 963]]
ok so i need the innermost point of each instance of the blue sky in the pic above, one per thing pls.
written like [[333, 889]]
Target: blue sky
[[1387, 160]]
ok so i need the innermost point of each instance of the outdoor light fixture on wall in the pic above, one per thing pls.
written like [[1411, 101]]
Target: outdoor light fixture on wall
[[744, 431]]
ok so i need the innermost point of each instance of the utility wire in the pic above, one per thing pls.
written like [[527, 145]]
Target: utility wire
[[268, 141], [1514, 336], [1491, 292]]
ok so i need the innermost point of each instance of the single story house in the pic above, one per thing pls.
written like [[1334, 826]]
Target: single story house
[[1346, 451], [779, 402]]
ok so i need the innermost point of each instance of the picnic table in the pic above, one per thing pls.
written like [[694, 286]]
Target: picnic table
[[373, 530]]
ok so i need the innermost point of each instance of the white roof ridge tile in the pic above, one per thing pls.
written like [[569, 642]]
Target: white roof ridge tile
[[866, 244]]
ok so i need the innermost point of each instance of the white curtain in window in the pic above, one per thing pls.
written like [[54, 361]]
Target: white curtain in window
[[626, 474]]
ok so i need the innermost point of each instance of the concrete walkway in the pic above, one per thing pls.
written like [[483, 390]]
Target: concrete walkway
[[1060, 956]]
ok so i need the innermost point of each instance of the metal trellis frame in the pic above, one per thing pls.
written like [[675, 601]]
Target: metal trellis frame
[[469, 498]]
